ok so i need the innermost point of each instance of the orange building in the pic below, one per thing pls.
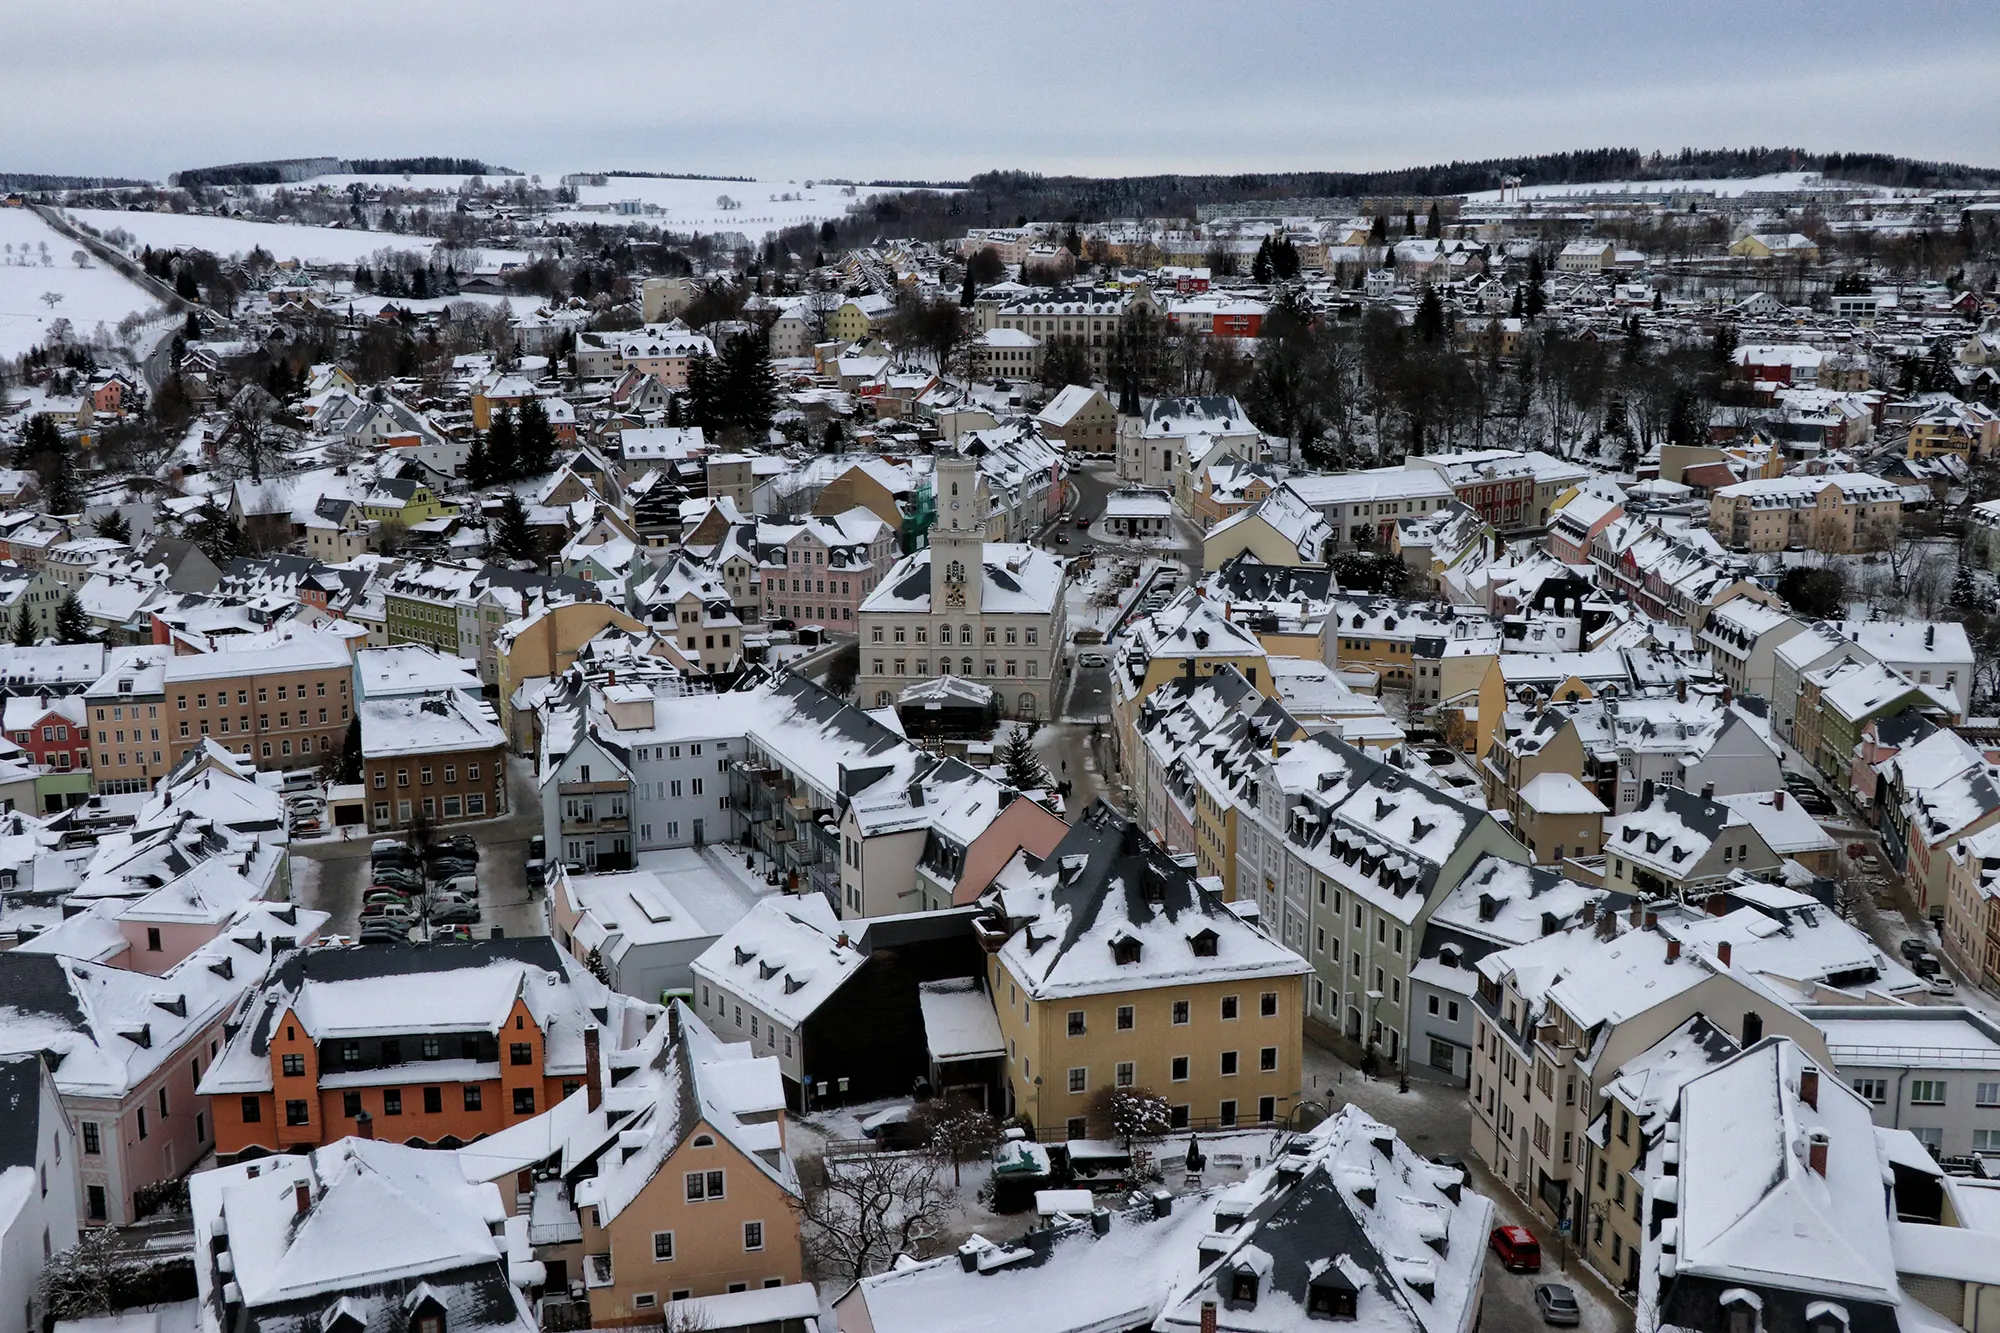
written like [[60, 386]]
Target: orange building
[[435, 1044]]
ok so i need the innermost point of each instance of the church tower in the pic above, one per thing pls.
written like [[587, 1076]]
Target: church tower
[[958, 539]]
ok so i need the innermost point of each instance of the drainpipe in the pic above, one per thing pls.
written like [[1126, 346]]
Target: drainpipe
[[1896, 1117]]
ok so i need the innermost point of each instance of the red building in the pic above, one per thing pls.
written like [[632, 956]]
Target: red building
[[50, 729]]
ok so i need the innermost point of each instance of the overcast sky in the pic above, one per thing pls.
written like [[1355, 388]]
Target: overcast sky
[[897, 88]]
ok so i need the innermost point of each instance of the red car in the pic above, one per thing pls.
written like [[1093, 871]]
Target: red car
[[1518, 1249]]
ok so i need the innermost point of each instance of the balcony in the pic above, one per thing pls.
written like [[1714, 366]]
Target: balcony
[[585, 827]]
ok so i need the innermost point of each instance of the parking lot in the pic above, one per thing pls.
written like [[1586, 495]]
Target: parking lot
[[332, 874]]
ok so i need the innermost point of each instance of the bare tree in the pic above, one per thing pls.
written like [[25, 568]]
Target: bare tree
[[52, 299], [82, 1281], [818, 307], [858, 1214]]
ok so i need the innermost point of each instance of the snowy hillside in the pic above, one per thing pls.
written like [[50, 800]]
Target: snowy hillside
[[89, 296], [1728, 188], [236, 236]]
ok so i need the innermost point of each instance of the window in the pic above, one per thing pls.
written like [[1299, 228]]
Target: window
[[663, 1247], [520, 1053], [1228, 1063], [94, 1194], [392, 1101], [433, 1101], [641, 1300], [524, 1101], [1987, 1094], [1076, 1028], [1180, 1013], [472, 1097], [1267, 1059], [295, 1112], [1124, 1018], [1226, 1115], [253, 1110], [1228, 1008], [1267, 1004], [294, 1066], [92, 1144], [703, 1185], [152, 939], [1927, 1092], [1179, 1069], [1125, 1075], [1079, 1080], [350, 1104]]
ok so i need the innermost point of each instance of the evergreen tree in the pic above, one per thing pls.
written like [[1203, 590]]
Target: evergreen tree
[[216, 534], [184, 285], [41, 437], [478, 467], [114, 526], [513, 538], [1378, 231], [750, 391], [1261, 267], [968, 293], [191, 327], [503, 451], [1429, 321], [1434, 224], [24, 626], [674, 416], [704, 392], [1410, 222], [1515, 311], [72, 626], [1024, 772], [1964, 589], [535, 442], [65, 487], [1722, 348], [1285, 258], [1536, 299]]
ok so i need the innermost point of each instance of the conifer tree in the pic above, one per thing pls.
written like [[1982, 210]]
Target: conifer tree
[[72, 626], [1024, 772], [23, 628], [535, 439], [503, 445], [512, 537]]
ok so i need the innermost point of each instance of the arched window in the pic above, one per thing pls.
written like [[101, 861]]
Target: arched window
[[1026, 707], [965, 666], [965, 634], [954, 572]]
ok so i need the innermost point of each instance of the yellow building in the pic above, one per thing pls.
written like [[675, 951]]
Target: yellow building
[[404, 500], [1112, 970], [700, 1200]]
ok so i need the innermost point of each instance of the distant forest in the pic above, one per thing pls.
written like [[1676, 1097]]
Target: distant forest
[[275, 172], [999, 198], [29, 182]]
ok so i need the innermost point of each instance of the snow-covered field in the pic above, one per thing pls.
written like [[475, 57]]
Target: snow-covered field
[[237, 236], [690, 205], [1731, 188], [90, 296]]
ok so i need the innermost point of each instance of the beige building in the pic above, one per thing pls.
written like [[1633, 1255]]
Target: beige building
[[1835, 512], [701, 1199], [1112, 968], [545, 645], [1555, 1020]]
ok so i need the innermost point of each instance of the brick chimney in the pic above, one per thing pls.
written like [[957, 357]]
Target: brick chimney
[[1722, 953], [1778, 799], [364, 1125], [302, 1197], [1208, 1317], [1673, 951], [593, 1078], [1816, 1146], [1809, 1088]]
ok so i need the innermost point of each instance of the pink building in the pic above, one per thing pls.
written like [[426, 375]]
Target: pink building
[[817, 571], [128, 1001]]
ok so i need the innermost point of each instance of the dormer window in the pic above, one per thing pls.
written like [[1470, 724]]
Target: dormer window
[[1330, 1295], [1204, 942], [1243, 1288], [1125, 950]]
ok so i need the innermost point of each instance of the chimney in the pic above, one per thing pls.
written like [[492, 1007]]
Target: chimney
[[1809, 1087], [1673, 951], [1637, 913], [1681, 690], [1208, 1317], [1728, 696], [1717, 905], [1722, 953], [1652, 920], [1930, 636], [1816, 1145], [1589, 913], [593, 1076], [364, 1125], [1645, 793], [1708, 791], [1778, 799], [302, 1197]]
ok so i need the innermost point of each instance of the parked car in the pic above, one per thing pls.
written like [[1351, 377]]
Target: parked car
[[403, 912], [455, 914], [1926, 966], [399, 879], [463, 886], [1557, 1304], [1517, 1248], [390, 897], [1941, 985], [536, 873], [384, 935], [454, 934], [1913, 948], [1092, 659]]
